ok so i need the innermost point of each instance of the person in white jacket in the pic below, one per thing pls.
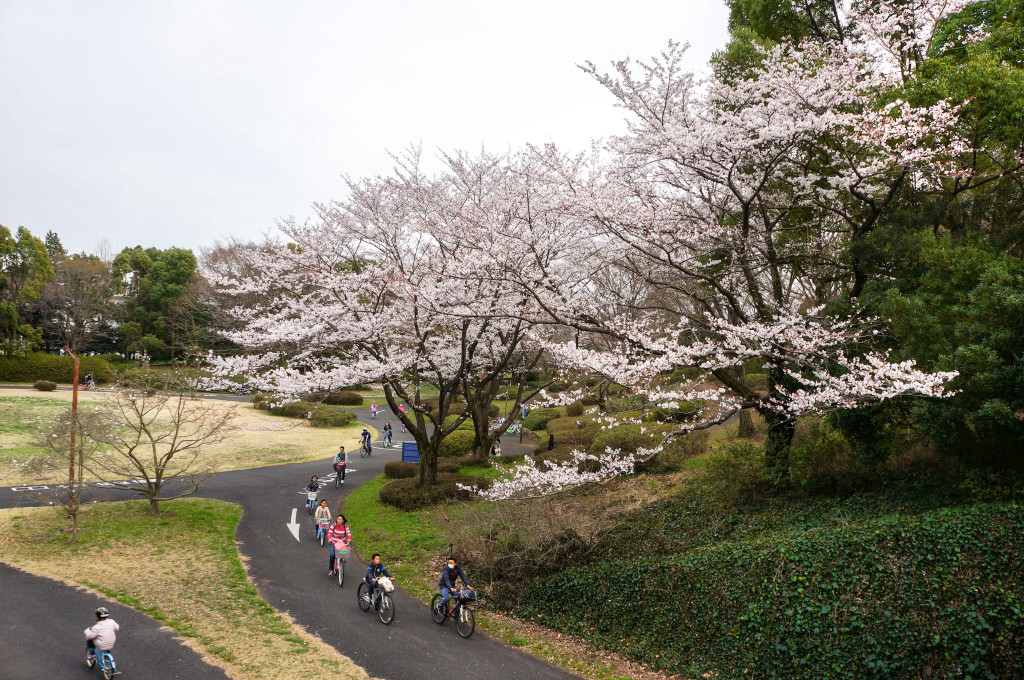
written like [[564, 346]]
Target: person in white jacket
[[101, 635]]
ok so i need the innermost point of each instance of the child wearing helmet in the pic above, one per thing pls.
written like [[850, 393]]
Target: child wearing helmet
[[101, 635]]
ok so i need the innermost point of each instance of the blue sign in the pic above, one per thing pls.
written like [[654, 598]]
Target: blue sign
[[410, 452]]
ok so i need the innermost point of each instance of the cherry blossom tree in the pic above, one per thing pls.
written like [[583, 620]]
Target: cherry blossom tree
[[412, 282], [741, 202]]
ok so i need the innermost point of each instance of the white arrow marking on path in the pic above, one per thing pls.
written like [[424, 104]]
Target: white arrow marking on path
[[293, 526]]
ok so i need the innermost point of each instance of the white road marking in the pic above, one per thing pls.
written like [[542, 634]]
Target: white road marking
[[293, 526]]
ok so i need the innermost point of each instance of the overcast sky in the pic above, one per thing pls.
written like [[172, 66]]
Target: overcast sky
[[179, 122]]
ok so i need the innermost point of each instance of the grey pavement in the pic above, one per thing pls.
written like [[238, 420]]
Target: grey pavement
[[44, 623], [292, 575]]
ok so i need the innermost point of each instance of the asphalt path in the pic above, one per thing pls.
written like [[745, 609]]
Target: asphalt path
[[44, 624], [291, 574]]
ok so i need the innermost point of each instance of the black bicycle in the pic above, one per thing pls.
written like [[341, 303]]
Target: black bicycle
[[465, 621], [365, 450], [381, 600]]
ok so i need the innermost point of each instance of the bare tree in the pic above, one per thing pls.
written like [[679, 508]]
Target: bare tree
[[151, 438]]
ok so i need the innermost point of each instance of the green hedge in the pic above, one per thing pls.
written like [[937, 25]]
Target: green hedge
[[345, 398], [318, 414], [458, 443], [405, 494], [538, 418], [938, 595], [58, 369], [45, 385]]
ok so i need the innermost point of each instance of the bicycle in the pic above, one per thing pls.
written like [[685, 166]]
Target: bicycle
[[311, 497], [465, 621], [105, 659], [340, 558], [365, 450], [381, 600], [322, 525], [337, 475], [387, 441]]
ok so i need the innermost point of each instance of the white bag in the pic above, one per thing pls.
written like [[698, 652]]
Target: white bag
[[385, 583]]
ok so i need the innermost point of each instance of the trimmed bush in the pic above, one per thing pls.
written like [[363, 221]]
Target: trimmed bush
[[628, 438], [397, 470], [345, 398], [458, 443], [58, 369], [331, 418], [467, 424], [538, 418], [574, 410], [405, 494], [45, 385]]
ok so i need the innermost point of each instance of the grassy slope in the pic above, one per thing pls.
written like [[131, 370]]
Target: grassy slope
[[411, 545], [181, 568]]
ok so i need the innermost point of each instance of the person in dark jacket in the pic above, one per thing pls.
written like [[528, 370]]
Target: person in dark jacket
[[375, 570], [551, 442], [451, 573]]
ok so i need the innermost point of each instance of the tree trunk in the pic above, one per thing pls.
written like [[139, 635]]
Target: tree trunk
[[776, 447], [746, 430], [154, 504]]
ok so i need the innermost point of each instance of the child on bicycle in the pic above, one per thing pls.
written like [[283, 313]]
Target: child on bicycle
[[341, 462], [314, 484], [451, 573], [322, 512], [338, 531], [386, 434], [374, 571], [364, 440], [101, 635], [373, 409]]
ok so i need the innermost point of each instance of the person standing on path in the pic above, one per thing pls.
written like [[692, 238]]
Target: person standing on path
[[341, 462], [551, 442]]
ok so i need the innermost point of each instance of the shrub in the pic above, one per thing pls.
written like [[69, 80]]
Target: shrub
[[734, 473], [538, 418], [628, 438], [406, 494], [344, 398], [58, 369], [323, 417], [458, 443], [398, 470], [574, 410], [467, 424], [822, 458], [673, 456], [45, 385]]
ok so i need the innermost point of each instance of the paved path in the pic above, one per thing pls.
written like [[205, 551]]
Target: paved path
[[42, 628], [292, 576]]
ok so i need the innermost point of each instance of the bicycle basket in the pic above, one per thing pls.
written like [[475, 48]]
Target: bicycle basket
[[311, 495], [467, 595], [340, 547], [385, 583]]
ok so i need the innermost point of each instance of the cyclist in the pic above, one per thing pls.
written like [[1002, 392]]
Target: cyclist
[[451, 573], [386, 434], [88, 381], [338, 531], [341, 462], [373, 409], [312, 487], [373, 571], [101, 635], [322, 512], [401, 412], [364, 441]]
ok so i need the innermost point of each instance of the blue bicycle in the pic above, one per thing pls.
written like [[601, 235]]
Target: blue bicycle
[[105, 659]]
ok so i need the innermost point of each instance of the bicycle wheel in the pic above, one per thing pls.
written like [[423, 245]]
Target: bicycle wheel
[[309, 506], [363, 597], [90, 662], [438, 617], [465, 622], [340, 568], [386, 610], [337, 480]]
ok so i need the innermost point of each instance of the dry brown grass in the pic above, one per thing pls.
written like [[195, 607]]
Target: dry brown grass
[[181, 569], [257, 438]]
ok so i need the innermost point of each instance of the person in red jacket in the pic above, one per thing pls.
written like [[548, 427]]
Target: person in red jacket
[[338, 531]]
